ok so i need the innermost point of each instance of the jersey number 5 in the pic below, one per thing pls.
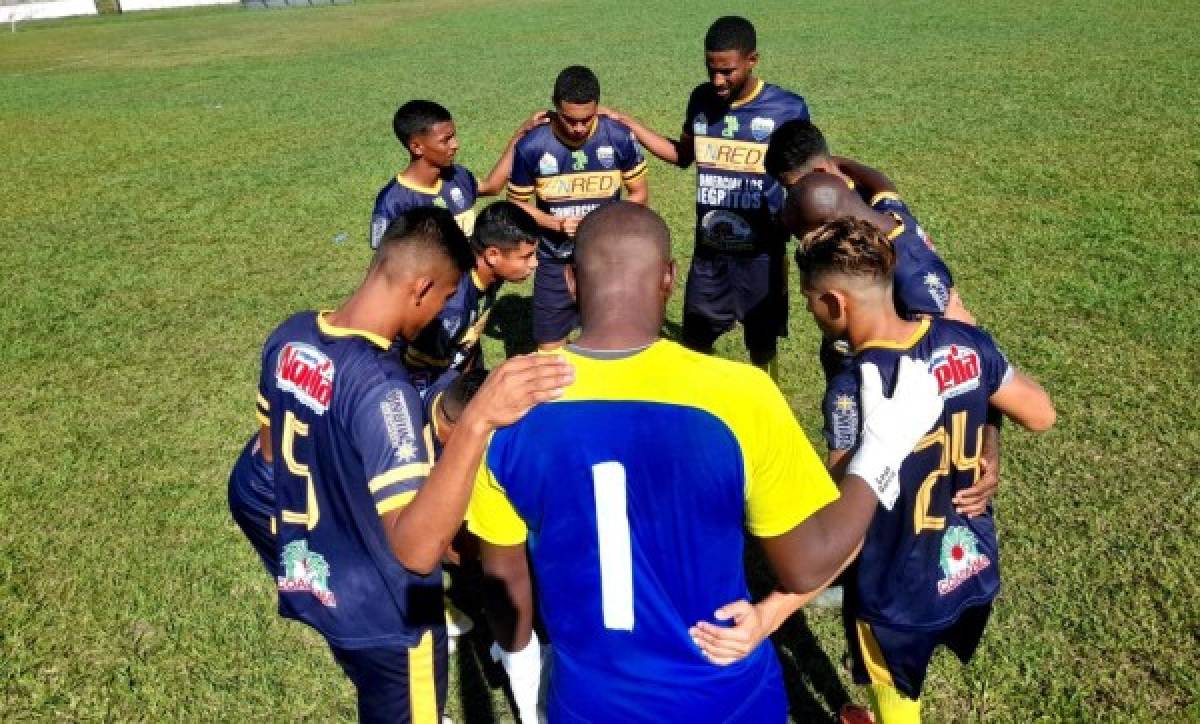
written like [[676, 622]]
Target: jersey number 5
[[612, 534], [954, 453], [308, 517]]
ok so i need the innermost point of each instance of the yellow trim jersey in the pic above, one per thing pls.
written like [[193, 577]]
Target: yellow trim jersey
[[634, 491]]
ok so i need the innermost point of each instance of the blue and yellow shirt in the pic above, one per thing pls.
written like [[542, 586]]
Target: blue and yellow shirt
[[455, 191], [349, 443], [922, 281], [567, 179], [736, 201], [452, 339], [922, 563], [638, 534]]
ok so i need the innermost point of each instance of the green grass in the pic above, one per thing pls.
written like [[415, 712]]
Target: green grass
[[173, 183]]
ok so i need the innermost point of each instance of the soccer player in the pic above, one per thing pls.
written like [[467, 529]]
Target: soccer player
[[927, 574], [427, 132], [560, 173], [361, 520], [504, 241], [836, 186], [637, 534], [739, 267]]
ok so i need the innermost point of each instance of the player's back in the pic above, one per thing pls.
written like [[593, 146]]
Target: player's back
[[922, 279], [323, 387], [922, 563], [636, 488]]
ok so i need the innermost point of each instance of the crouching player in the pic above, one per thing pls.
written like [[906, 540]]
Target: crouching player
[[927, 574], [504, 241]]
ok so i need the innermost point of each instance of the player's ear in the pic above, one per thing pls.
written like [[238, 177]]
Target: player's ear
[[668, 281], [752, 58], [421, 288], [569, 276], [492, 255], [835, 303]]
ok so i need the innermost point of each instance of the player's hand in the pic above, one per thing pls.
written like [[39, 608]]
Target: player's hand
[[568, 224], [974, 500], [513, 388], [724, 646], [533, 122], [609, 113], [892, 426]]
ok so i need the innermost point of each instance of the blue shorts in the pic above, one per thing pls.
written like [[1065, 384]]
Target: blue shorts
[[900, 658], [555, 314], [396, 684], [252, 503], [724, 289]]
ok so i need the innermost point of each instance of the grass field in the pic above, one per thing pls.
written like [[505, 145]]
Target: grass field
[[174, 182]]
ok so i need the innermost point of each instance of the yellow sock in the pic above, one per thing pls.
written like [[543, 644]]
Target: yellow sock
[[892, 707]]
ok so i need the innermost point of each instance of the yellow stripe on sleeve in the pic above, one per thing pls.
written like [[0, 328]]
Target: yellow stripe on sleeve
[[882, 195], [396, 475], [395, 502], [262, 419], [490, 514], [634, 172]]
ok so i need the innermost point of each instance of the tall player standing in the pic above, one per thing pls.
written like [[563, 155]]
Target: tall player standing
[[562, 172], [739, 268]]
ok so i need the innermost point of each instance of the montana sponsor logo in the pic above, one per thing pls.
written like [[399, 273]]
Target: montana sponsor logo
[[956, 370], [307, 373], [744, 156], [596, 185]]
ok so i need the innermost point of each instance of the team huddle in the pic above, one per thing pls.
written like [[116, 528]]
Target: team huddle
[[604, 487]]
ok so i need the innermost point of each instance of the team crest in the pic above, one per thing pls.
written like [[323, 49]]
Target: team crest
[[579, 160], [699, 125], [456, 195], [937, 289], [305, 571], [960, 558], [956, 370], [548, 165], [398, 423], [845, 422], [307, 373], [761, 128], [606, 157]]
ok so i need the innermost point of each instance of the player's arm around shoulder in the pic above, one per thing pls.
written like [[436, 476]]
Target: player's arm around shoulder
[[420, 532], [1025, 402]]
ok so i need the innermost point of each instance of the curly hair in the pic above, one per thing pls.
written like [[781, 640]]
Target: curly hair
[[846, 246]]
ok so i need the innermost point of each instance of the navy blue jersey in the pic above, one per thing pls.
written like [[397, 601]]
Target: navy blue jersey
[[737, 203], [452, 340], [567, 179], [922, 280], [349, 443], [455, 191], [922, 563]]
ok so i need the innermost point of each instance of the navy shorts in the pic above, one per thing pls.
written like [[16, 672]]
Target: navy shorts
[[252, 503], [723, 289], [397, 684], [883, 655], [555, 314]]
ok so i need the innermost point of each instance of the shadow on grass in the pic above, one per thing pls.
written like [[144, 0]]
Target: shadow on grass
[[815, 693]]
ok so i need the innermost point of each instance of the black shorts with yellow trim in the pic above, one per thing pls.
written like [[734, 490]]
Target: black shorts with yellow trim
[[900, 658], [398, 684]]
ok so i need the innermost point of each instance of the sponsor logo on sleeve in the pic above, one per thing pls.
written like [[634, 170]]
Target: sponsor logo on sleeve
[[937, 290], [606, 157], [305, 571], [845, 422], [307, 373], [547, 165], [960, 558], [956, 369], [761, 128], [399, 425]]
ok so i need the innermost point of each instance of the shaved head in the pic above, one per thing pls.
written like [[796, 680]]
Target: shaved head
[[622, 262], [819, 198]]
